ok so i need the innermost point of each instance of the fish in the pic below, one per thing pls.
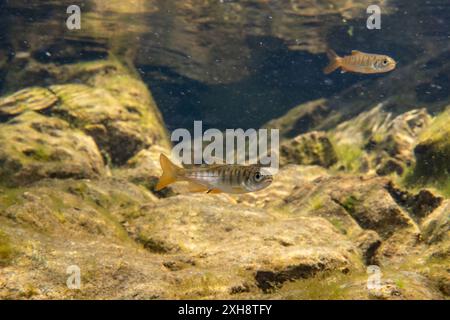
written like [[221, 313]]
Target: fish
[[216, 178], [360, 62]]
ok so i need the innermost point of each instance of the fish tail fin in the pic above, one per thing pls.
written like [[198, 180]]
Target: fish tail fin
[[335, 62], [170, 172]]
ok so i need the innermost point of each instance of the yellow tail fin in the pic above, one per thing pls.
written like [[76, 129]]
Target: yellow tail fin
[[335, 62], [169, 174]]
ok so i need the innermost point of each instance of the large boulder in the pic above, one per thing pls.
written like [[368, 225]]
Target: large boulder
[[105, 99], [36, 147], [170, 248], [57, 224], [113, 106], [269, 247]]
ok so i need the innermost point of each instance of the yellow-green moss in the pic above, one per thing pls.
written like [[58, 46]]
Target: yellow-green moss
[[202, 285], [350, 203], [7, 251], [349, 156], [432, 167], [327, 286], [29, 291], [338, 224], [10, 197], [316, 202], [39, 153]]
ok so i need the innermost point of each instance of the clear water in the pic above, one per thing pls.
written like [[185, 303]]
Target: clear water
[[228, 63], [231, 64]]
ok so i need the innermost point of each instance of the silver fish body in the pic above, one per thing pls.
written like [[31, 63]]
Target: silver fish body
[[229, 178]]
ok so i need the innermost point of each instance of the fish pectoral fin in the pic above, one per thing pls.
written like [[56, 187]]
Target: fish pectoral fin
[[197, 187], [356, 52], [214, 191]]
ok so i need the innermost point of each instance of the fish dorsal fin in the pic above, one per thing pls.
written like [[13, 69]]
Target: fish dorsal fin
[[354, 52]]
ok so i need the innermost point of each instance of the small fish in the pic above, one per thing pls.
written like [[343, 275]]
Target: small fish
[[216, 178], [360, 62]]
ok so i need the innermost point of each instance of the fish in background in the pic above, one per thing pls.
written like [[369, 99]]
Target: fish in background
[[216, 178], [360, 62]]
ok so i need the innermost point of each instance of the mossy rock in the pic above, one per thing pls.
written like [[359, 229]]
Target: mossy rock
[[114, 107], [105, 99], [433, 155], [36, 147], [29, 99], [7, 251], [376, 141], [312, 148]]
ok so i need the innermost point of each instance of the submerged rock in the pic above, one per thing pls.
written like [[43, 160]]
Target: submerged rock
[[242, 238], [56, 224], [304, 230], [29, 99], [384, 141], [436, 227], [312, 148], [114, 107], [433, 154], [144, 169], [103, 98], [301, 119], [35, 147]]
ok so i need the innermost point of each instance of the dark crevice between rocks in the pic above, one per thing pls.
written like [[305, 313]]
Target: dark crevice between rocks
[[417, 205], [349, 207], [367, 246], [268, 281], [369, 249], [153, 245]]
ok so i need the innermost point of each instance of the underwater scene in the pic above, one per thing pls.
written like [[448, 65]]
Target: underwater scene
[[225, 149]]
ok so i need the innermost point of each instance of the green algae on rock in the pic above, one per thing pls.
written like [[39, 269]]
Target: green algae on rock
[[36, 147], [29, 99], [7, 252], [103, 98], [378, 141], [313, 148], [114, 107], [433, 155]]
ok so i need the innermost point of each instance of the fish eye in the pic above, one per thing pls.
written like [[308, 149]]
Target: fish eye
[[258, 176], [385, 61]]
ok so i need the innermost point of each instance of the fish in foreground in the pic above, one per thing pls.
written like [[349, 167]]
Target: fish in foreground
[[216, 178], [360, 62]]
